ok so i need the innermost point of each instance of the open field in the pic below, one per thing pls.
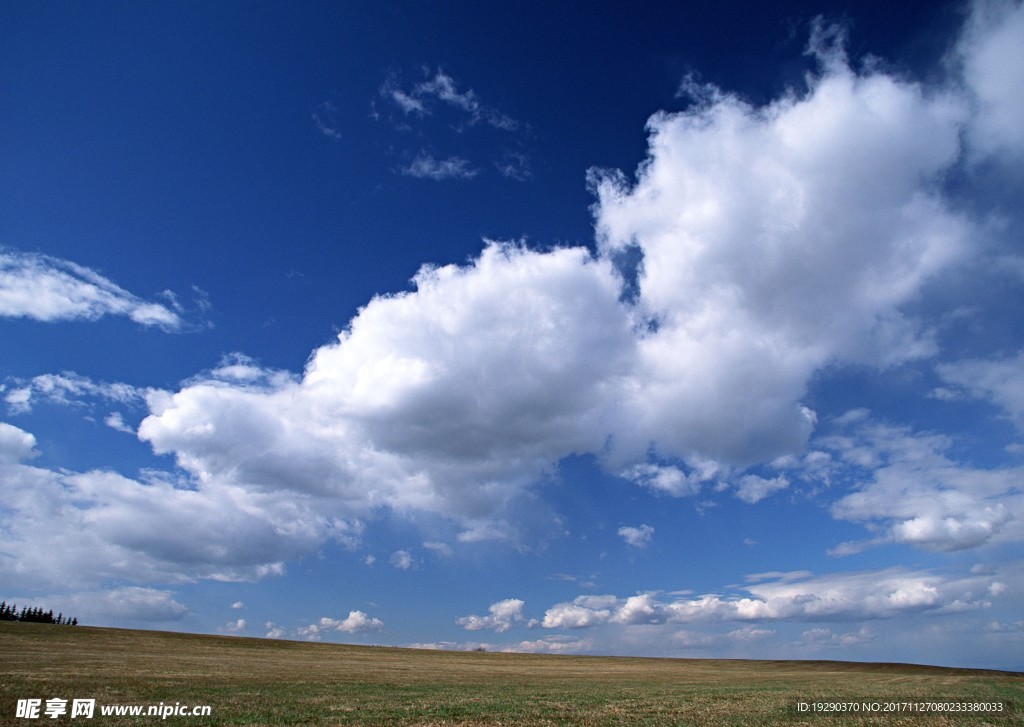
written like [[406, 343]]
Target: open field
[[264, 682]]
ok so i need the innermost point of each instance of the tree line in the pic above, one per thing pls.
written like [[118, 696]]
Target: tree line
[[34, 615]]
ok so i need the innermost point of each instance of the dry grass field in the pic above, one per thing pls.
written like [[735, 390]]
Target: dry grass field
[[263, 682]]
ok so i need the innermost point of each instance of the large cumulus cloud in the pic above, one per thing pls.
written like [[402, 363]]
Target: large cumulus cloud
[[447, 399], [775, 241]]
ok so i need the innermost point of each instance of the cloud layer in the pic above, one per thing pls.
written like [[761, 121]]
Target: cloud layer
[[771, 244], [104, 526], [784, 597], [777, 613]]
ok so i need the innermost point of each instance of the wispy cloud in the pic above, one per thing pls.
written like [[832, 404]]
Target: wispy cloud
[[514, 165], [637, 537], [115, 420], [46, 288], [425, 166], [441, 89], [999, 380], [402, 560], [907, 488], [439, 108], [326, 119], [69, 389]]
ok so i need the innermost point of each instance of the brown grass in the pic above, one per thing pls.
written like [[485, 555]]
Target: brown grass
[[264, 682]]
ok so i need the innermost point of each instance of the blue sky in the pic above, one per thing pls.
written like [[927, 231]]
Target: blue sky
[[659, 330]]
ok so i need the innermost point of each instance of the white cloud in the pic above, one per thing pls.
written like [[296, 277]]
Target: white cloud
[[642, 608], [450, 399], [822, 637], [274, 631], [551, 645], [18, 399], [671, 480], [423, 97], [358, 621], [749, 633], [45, 288], [638, 537], [120, 605], [115, 420], [584, 611], [442, 549], [502, 615], [325, 118], [79, 529], [442, 87], [513, 165], [437, 107], [237, 605], [235, 627], [404, 101], [775, 241], [425, 166], [15, 444]]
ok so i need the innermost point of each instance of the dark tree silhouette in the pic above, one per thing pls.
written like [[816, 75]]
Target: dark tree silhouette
[[33, 615]]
